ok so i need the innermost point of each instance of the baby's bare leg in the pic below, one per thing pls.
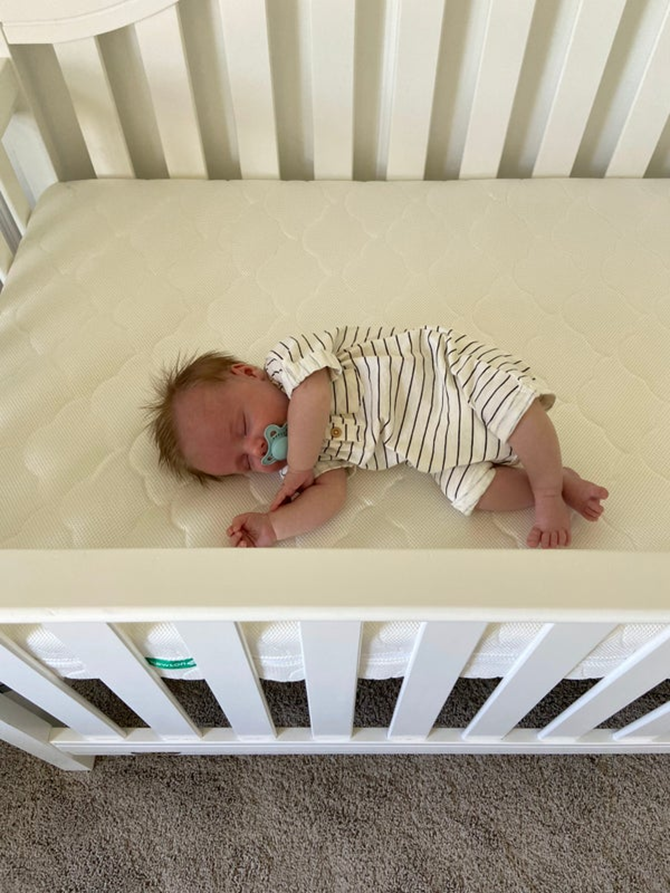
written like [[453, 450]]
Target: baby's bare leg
[[535, 442], [510, 491]]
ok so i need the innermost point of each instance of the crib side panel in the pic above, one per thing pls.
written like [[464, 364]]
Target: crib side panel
[[331, 657], [442, 90], [141, 585]]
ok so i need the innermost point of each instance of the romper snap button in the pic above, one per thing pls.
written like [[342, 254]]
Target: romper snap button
[[335, 431]]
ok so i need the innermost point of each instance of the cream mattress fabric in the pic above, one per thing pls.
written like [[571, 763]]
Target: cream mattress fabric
[[115, 278]]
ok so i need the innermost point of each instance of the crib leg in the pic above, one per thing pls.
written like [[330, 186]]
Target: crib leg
[[29, 732]]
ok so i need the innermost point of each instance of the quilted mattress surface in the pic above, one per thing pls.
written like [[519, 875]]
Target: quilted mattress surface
[[116, 278]]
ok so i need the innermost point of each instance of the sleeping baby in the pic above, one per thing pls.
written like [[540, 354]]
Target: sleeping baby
[[467, 413]]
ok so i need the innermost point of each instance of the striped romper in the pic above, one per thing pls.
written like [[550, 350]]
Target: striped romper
[[436, 399]]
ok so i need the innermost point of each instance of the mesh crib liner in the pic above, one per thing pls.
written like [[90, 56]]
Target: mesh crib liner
[[386, 649]]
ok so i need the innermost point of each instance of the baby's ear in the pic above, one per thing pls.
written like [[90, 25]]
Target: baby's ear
[[244, 369]]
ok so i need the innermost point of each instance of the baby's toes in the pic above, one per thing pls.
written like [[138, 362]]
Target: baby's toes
[[593, 510], [533, 538]]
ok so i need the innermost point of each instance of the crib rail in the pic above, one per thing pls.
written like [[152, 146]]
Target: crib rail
[[387, 89], [331, 688], [208, 598]]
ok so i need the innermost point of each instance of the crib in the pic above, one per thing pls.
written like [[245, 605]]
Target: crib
[[178, 174]]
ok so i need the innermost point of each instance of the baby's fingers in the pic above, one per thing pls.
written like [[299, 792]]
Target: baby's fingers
[[237, 531], [238, 523], [283, 496], [234, 536], [240, 540]]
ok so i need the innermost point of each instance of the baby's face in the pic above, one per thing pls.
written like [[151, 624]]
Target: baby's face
[[221, 426]]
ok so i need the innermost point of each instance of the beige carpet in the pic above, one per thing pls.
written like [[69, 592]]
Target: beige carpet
[[402, 824], [275, 824]]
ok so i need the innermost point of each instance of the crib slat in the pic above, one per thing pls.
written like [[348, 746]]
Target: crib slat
[[593, 33], [652, 724], [245, 30], [6, 258], [440, 653], [23, 729], [162, 49], [635, 676], [418, 44], [330, 652], [87, 82], [332, 52], [39, 685], [505, 40], [9, 90], [549, 657], [12, 192], [111, 657], [220, 652], [648, 113]]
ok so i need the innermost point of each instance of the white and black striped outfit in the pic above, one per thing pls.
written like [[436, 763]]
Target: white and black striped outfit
[[439, 400]]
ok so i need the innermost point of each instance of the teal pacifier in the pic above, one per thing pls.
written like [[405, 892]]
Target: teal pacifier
[[276, 438]]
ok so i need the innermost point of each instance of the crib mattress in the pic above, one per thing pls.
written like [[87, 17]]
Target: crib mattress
[[115, 278]]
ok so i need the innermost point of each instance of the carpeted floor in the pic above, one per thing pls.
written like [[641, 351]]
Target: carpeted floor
[[396, 824]]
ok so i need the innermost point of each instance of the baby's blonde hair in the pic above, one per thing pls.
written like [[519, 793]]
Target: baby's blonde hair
[[206, 368]]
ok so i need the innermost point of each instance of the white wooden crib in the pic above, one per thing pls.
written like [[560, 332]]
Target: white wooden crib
[[478, 93]]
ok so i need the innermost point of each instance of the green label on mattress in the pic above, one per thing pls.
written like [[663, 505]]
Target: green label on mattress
[[183, 664]]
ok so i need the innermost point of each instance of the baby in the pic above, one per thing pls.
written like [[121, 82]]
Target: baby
[[465, 412]]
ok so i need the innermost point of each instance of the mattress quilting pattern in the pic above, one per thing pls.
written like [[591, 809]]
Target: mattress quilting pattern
[[116, 278]]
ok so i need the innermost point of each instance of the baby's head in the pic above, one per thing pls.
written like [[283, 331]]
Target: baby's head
[[210, 415]]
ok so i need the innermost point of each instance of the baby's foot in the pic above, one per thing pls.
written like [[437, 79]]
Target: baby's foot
[[583, 496], [552, 523]]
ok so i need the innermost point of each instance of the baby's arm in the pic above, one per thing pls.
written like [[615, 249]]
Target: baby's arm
[[311, 508], [308, 414]]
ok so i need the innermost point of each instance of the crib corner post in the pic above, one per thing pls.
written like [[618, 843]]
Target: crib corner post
[[26, 730]]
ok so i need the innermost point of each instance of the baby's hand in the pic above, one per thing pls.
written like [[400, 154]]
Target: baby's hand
[[294, 482], [251, 530]]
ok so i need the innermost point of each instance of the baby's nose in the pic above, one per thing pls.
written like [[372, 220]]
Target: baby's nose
[[258, 447]]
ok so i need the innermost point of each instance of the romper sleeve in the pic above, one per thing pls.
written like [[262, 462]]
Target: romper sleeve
[[323, 465], [292, 360]]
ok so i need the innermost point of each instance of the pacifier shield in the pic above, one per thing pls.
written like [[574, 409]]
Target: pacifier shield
[[276, 438]]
